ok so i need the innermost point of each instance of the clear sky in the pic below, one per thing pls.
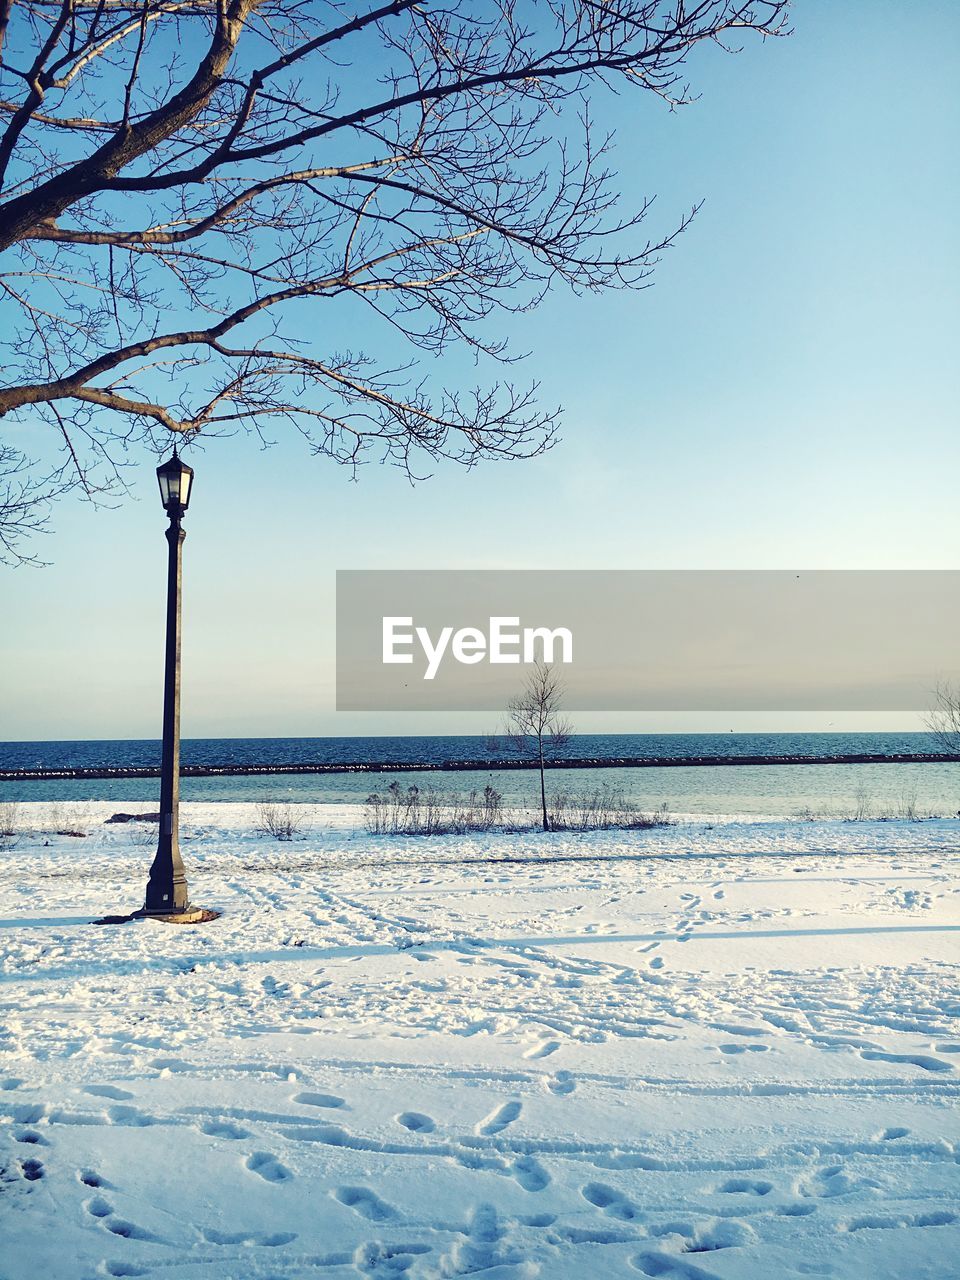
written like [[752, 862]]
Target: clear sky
[[784, 397]]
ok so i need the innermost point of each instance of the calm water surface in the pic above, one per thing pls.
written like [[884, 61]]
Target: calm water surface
[[885, 789]]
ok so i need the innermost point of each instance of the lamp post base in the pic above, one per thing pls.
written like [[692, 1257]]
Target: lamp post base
[[192, 915]]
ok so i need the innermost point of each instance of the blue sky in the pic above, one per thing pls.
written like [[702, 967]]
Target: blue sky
[[784, 397]]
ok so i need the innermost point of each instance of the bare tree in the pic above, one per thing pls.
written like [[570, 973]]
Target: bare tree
[[187, 185], [535, 723], [943, 720]]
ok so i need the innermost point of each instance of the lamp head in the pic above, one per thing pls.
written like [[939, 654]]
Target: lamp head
[[176, 482]]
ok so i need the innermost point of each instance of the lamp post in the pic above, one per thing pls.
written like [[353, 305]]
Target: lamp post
[[167, 897]]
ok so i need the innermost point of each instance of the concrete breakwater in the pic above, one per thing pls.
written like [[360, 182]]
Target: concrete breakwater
[[473, 766]]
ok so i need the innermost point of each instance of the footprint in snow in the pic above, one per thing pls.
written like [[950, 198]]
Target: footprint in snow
[[273, 1241], [484, 1250], [923, 1060], [223, 1129], [484, 1225], [746, 1186], [108, 1091], [167, 1066], [365, 1202], [708, 1237], [661, 1264], [130, 1117], [542, 1050], [380, 1261], [267, 1167], [890, 1135], [880, 1222], [124, 1269], [538, 1220], [833, 1181], [498, 1120], [32, 1170], [562, 1084], [329, 1100], [32, 1139], [739, 1029], [128, 1230], [530, 1174], [609, 1201], [98, 1207], [416, 1122]]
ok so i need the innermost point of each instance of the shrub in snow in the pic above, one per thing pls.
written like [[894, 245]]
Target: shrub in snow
[[426, 811], [282, 821]]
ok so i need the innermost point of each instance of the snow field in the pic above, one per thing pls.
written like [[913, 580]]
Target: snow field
[[714, 1051]]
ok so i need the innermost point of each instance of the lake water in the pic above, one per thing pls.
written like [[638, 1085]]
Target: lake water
[[783, 790]]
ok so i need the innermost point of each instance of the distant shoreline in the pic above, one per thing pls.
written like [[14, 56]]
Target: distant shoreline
[[474, 766]]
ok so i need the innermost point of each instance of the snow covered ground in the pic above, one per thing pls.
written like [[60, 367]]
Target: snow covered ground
[[717, 1051]]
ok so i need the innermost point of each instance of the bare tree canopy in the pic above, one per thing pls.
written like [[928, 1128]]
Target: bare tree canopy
[[943, 721], [186, 185]]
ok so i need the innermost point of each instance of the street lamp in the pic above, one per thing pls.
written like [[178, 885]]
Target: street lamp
[[167, 897]]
